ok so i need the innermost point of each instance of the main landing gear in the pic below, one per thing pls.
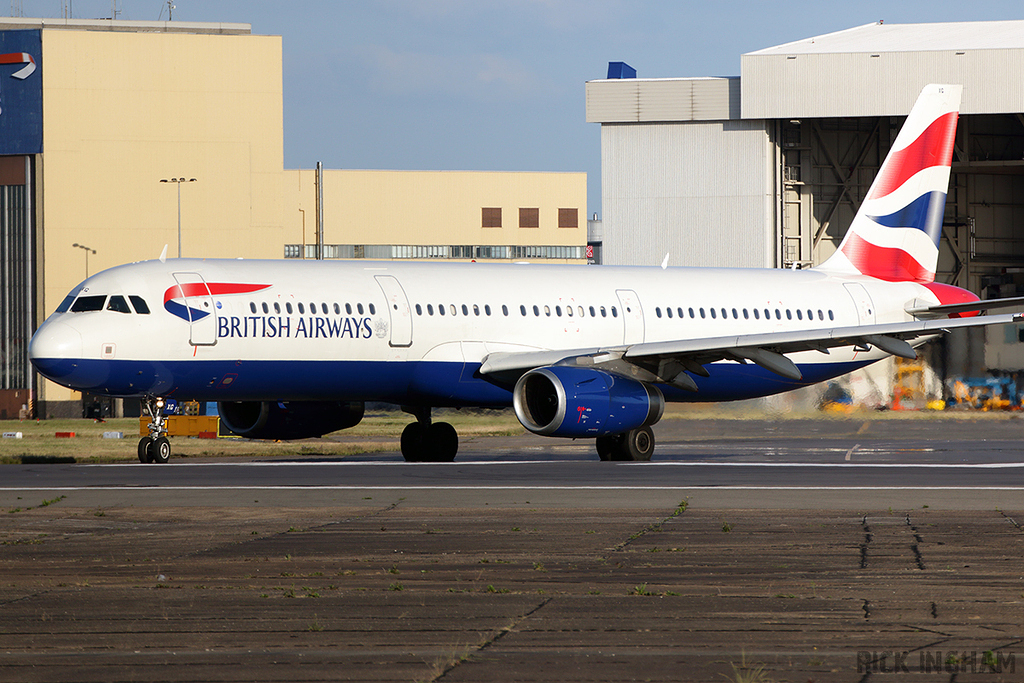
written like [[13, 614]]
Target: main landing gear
[[636, 445], [424, 441], [155, 447]]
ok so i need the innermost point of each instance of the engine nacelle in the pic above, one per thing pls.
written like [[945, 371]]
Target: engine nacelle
[[288, 419], [584, 402]]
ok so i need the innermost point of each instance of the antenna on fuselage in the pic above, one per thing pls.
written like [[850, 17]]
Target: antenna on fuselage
[[163, 255], [664, 262]]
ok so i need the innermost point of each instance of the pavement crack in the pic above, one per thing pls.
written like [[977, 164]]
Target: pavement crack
[[864, 545], [492, 640], [680, 509]]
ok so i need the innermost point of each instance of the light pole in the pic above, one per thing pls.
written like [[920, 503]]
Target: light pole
[[87, 250], [178, 182]]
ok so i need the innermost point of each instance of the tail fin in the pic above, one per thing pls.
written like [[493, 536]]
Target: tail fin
[[895, 234]]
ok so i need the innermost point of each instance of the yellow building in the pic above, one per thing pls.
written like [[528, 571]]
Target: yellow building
[[100, 119]]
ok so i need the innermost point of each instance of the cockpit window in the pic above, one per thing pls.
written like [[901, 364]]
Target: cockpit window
[[66, 304], [117, 303], [88, 303], [140, 304]]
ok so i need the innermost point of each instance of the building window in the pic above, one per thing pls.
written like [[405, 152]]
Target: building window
[[529, 218], [491, 217], [568, 218]]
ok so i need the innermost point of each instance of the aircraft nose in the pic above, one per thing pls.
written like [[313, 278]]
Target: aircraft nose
[[52, 346]]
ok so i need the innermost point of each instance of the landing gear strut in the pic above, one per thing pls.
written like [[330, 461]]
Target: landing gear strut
[[424, 441], [155, 447], [635, 445]]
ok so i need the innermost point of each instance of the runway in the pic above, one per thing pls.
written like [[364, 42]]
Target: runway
[[724, 464], [747, 550]]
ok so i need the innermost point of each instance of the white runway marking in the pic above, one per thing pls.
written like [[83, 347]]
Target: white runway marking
[[514, 487]]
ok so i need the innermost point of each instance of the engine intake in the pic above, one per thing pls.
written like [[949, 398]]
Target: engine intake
[[576, 402], [288, 419]]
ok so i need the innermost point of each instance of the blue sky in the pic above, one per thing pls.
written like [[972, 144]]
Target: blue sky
[[476, 85]]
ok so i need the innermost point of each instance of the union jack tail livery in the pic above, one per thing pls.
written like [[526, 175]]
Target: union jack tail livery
[[895, 234]]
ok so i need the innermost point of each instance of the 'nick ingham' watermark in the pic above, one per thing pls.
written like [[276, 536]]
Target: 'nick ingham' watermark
[[935, 661]]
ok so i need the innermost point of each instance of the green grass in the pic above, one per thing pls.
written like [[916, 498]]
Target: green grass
[[378, 432]]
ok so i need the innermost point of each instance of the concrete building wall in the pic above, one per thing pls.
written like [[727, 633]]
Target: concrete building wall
[[701, 192], [433, 207]]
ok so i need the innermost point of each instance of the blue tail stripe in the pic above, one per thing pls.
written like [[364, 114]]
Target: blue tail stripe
[[924, 214]]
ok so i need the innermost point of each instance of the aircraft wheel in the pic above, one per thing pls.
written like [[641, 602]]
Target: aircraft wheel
[[161, 450], [443, 442], [414, 442], [606, 447], [638, 444], [145, 443]]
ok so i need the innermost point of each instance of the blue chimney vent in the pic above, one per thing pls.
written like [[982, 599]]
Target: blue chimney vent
[[620, 70]]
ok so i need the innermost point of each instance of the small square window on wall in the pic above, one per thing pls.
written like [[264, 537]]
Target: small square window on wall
[[491, 217], [529, 218], [568, 218]]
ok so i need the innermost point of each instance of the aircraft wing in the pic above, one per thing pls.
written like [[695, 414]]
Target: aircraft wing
[[668, 361]]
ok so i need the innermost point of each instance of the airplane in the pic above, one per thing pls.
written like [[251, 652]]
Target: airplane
[[294, 349]]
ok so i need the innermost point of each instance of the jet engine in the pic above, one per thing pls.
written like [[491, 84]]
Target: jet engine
[[287, 420], [584, 402]]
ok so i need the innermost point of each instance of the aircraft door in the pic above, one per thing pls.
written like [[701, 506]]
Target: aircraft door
[[398, 309], [862, 300], [199, 306], [632, 316]]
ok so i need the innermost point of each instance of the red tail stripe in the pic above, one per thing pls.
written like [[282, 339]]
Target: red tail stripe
[[885, 263], [934, 147]]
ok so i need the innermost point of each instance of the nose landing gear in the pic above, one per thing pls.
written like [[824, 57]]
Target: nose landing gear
[[155, 447]]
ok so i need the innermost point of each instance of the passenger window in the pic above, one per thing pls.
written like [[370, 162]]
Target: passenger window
[[789, 315], [604, 313], [757, 314], [830, 314], [266, 308], [536, 311], [359, 308], [592, 313], [725, 314], [547, 311], [451, 309], [277, 307], [778, 314], [579, 309], [799, 314], [522, 309], [430, 309], [810, 314], [465, 311], [337, 309], [312, 309], [767, 314], [679, 311], [476, 309], [558, 311], [820, 315], [657, 311], [487, 309], [84, 304], [668, 309], [713, 313], [702, 312], [691, 313], [373, 311], [568, 311], [139, 303], [419, 311], [348, 309], [615, 312], [734, 315], [117, 303], [746, 316], [440, 309], [252, 306], [288, 307], [323, 307], [301, 309]]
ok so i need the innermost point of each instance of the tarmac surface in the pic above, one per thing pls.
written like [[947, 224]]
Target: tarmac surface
[[746, 551]]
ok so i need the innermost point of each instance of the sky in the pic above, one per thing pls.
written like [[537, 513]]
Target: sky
[[478, 85]]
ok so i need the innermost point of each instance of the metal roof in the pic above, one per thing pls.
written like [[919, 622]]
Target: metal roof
[[123, 26], [882, 37]]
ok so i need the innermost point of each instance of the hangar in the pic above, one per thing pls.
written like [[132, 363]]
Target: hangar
[[120, 137], [768, 168]]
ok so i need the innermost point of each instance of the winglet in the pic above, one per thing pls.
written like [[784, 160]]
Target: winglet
[[163, 255]]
